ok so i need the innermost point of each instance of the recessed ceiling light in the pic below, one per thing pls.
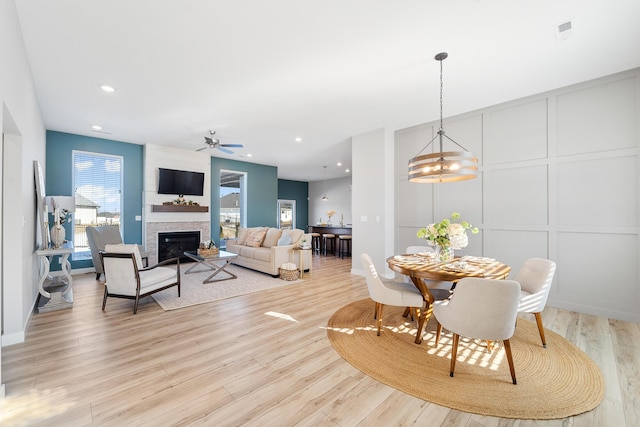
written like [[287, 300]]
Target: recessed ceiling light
[[107, 88], [347, 170], [96, 127], [339, 164], [298, 139], [249, 155]]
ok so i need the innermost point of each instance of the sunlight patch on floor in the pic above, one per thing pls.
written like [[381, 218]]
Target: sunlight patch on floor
[[34, 407], [281, 316]]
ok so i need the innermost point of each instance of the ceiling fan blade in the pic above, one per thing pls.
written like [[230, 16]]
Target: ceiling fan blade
[[202, 148], [232, 145], [224, 150]]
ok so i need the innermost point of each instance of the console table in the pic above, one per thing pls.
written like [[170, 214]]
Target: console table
[[56, 291]]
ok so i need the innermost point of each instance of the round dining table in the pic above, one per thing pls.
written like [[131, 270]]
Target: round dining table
[[419, 267]]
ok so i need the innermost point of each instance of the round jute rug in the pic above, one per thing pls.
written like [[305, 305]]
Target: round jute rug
[[556, 382]]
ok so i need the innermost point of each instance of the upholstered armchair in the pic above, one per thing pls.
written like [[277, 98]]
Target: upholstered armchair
[[100, 236], [484, 309], [388, 292], [126, 277]]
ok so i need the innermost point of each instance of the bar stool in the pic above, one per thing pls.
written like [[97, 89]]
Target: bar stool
[[316, 242], [329, 239], [344, 242]]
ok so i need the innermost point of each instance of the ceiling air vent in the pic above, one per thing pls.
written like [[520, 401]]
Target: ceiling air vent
[[564, 27], [563, 31]]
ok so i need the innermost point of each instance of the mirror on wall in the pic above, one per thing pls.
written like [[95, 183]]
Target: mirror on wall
[[41, 206]]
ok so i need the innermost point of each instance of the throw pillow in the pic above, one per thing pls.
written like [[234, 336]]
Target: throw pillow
[[255, 238], [242, 235], [296, 235], [284, 240], [271, 238]]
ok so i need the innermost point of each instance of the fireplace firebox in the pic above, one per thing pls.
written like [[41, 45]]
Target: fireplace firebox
[[173, 244]]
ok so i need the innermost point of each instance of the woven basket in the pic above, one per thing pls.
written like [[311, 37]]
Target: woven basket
[[289, 274], [208, 252]]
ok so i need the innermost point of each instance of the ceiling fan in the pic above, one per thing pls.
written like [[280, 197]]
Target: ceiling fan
[[215, 143]]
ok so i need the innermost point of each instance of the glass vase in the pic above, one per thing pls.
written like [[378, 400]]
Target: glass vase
[[444, 254]]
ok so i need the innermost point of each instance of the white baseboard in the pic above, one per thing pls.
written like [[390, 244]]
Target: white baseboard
[[15, 338]]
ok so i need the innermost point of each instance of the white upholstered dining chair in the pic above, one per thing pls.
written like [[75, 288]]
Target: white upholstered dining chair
[[480, 308], [125, 276], [384, 292], [535, 278]]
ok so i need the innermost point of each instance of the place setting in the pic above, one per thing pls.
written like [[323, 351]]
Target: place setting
[[410, 259], [459, 267], [477, 259]]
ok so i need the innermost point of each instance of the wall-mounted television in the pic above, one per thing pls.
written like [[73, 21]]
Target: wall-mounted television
[[172, 181]]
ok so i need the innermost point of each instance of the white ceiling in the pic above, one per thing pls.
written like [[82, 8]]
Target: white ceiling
[[262, 73]]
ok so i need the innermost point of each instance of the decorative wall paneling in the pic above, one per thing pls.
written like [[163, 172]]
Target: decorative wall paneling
[[559, 178]]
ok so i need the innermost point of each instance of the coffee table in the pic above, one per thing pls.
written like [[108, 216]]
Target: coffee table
[[217, 263]]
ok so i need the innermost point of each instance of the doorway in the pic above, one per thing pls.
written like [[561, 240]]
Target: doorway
[[286, 214], [233, 204]]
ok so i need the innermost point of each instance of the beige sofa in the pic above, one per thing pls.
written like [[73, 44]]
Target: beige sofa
[[265, 249]]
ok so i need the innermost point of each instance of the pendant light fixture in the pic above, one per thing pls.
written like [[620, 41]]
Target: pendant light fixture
[[443, 166], [324, 197]]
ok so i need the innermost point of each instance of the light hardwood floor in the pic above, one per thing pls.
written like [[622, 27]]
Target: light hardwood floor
[[256, 360]]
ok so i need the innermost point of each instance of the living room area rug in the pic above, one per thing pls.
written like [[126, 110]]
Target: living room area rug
[[556, 382], [194, 292]]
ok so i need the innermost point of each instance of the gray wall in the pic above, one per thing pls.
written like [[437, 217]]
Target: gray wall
[[558, 179]]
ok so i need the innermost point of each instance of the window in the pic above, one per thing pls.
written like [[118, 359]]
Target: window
[[97, 180], [232, 204]]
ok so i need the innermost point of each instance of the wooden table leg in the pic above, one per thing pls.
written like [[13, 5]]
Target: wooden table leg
[[425, 315]]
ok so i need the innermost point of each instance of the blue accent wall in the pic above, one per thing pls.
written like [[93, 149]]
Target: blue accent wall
[[298, 191], [262, 192], [263, 187], [59, 176]]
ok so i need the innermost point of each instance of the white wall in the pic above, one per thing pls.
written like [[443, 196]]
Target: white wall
[[559, 179], [339, 194], [161, 156], [24, 141], [372, 198]]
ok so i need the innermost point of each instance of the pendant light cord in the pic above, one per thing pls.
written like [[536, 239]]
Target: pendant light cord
[[441, 87]]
